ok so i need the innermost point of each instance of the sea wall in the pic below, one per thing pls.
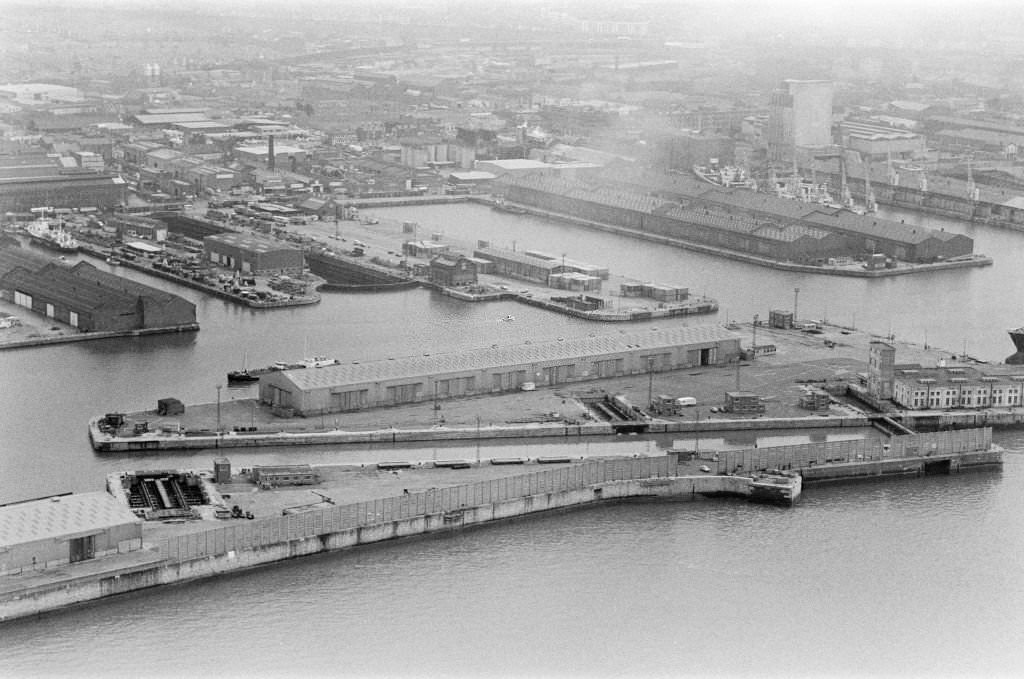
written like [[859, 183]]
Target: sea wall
[[231, 546], [165, 571]]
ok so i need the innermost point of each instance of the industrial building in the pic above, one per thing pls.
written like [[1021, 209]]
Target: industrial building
[[735, 219], [919, 388], [65, 529], [453, 270], [518, 264], [252, 254], [800, 117], [916, 387], [367, 384], [138, 226], [91, 300], [21, 193]]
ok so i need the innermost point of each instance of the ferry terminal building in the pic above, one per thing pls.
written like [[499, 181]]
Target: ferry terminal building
[[415, 379]]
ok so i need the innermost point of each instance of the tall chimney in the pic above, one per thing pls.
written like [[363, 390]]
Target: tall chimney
[[270, 152]]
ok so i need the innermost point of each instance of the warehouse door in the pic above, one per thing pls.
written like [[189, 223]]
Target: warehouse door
[[82, 548]]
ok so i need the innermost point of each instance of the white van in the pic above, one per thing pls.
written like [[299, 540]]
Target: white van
[[686, 401]]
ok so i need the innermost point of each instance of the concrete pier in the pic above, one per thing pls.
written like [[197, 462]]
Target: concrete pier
[[205, 548]]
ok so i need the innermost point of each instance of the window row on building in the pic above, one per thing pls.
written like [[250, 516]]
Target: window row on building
[[367, 384]]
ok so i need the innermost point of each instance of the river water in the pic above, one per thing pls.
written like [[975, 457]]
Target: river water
[[911, 577]]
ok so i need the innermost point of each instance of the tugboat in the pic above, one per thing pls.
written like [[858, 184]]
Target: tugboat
[[243, 376]]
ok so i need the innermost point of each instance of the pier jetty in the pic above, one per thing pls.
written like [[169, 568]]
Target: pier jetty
[[273, 526]]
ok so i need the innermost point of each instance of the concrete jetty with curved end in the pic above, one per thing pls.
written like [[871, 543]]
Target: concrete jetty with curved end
[[273, 520]]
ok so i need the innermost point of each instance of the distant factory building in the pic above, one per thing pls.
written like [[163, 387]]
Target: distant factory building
[[453, 270], [469, 181], [880, 142], [367, 384], [284, 157], [754, 223], [137, 226], [21, 194], [800, 117], [252, 254], [56, 531], [518, 265], [92, 300]]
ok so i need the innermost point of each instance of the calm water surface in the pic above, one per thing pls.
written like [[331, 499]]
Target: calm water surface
[[917, 577]]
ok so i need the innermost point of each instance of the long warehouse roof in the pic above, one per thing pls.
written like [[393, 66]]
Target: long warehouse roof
[[498, 356]]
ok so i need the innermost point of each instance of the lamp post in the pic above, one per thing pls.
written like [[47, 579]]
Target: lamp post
[[796, 297], [753, 342], [218, 407], [650, 381]]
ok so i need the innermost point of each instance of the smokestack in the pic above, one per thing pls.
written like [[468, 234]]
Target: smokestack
[[270, 152]]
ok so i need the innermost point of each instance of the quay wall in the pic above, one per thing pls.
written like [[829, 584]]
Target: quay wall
[[780, 265], [91, 336], [103, 443], [247, 544]]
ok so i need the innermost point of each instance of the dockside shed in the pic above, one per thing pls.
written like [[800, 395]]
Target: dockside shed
[[65, 529], [367, 384], [92, 300], [252, 254]]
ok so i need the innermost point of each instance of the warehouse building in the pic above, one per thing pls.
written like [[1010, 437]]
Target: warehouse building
[[368, 384], [252, 254], [919, 388], [91, 300], [21, 194], [736, 219], [518, 264], [65, 529], [452, 270]]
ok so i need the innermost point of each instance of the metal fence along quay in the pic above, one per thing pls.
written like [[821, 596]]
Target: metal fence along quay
[[274, 530]]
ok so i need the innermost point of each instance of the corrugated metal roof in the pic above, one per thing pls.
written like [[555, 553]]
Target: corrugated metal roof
[[68, 515], [58, 284], [498, 356], [249, 242], [12, 257]]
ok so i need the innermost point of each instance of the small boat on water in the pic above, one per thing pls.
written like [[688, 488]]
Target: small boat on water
[[501, 206], [242, 377], [245, 376]]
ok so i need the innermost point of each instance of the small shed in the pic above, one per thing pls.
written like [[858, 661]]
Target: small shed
[[169, 407]]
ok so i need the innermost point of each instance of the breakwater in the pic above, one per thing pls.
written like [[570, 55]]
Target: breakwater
[[240, 544]]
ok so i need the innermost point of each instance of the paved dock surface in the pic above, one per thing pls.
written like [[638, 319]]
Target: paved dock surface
[[800, 360]]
